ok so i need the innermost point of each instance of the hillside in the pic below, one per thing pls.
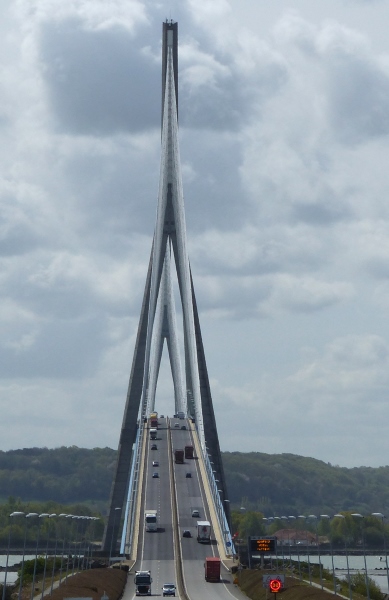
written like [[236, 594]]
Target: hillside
[[270, 483]]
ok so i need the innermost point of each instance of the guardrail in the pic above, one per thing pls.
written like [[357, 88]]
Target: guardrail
[[219, 508], [126, 545]]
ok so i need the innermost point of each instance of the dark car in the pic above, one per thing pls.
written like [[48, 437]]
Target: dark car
[[154, 447], [183, 427], [155, 475], [169, 589], [188, 475], [186, 533]]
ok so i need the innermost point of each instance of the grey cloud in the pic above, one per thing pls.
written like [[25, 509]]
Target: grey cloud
[[358, 99], [99, 82], [61, 349]]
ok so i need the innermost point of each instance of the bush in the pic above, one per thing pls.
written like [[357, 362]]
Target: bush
[[358, 585]]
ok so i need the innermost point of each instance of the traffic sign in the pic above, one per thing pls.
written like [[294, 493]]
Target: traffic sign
[[275, 583]]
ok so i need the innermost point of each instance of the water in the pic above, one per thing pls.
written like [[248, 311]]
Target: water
[[13, 559], [376, 568]]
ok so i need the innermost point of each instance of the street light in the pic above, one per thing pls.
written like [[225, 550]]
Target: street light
[[24, 553], [382, 517], [332, 553], [359, 516], [70, 517], [339, 516], [307, 548], [55, 553], [47, 551], [14, 514], [41, 516], [314, 517]]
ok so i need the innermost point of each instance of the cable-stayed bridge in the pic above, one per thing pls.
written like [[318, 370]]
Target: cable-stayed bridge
[[178, 491]]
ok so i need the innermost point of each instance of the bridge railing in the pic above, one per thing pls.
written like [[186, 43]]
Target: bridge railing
[[129, 515], [219, 508]]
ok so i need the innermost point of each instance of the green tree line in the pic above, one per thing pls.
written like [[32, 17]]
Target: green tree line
[[273, 484], [341, 531]]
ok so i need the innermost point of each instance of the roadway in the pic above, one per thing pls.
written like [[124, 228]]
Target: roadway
[[156, 550]]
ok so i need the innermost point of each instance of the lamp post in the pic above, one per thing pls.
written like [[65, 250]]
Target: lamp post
[[57, 524], [293, 518], [75, 557], [339, 516], [359, 516], [307, 548], [28, 516], [14, 514], [70, 517], [382, 517], [47, 551], [113, 532], [314, 518], [40, 518], [332, 554]]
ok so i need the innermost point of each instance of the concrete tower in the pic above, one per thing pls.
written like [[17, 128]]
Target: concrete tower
[[158, 318]]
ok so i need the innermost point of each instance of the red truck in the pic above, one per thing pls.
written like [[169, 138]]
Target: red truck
[[179, 457], [212, 568], [189, 451], [154, 423]]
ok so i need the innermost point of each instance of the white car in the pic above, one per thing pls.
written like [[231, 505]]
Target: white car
[[169, 589]]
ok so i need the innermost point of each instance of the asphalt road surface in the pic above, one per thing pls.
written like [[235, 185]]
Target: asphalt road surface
[[156, 550]]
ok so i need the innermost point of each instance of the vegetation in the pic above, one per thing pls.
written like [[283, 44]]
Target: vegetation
[[20, 530], [343, 532], [279, 484], [270, 484], [66, 475]]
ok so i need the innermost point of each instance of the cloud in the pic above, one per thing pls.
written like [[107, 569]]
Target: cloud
[[284, 139]]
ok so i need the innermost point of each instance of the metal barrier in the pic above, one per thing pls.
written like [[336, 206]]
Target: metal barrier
[[219, 508], [126, 546]]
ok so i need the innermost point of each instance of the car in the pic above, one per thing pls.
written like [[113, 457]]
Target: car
[[188, 475], [162, 417], [155, 463], [155, 475], [154, 447], [186, 533], [169, 589], [176, 425], [195, 513], [183, 427]]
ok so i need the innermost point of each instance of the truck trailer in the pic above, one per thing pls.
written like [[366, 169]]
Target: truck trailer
[[204, 532], [151, 520], [189, 451], [142, 582], [179, 457], [212, 568]]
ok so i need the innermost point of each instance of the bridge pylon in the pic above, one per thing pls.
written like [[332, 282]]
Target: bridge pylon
[[157, 321]]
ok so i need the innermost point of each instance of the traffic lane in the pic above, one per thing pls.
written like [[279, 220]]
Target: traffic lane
[[158, 545], [161, 572]]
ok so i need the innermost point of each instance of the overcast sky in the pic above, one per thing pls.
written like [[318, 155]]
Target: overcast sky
[[284, 135]]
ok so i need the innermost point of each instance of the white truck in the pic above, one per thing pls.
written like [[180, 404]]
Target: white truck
[[151, 520], [143, 583], [153, 433], [204, 532]]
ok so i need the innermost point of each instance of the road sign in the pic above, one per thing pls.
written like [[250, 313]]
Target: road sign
[[275, 583], [262, 544]]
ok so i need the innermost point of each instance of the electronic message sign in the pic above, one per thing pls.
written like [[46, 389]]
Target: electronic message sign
[[262, 544]]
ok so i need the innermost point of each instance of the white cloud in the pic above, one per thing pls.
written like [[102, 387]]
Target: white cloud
[[284, 138]]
